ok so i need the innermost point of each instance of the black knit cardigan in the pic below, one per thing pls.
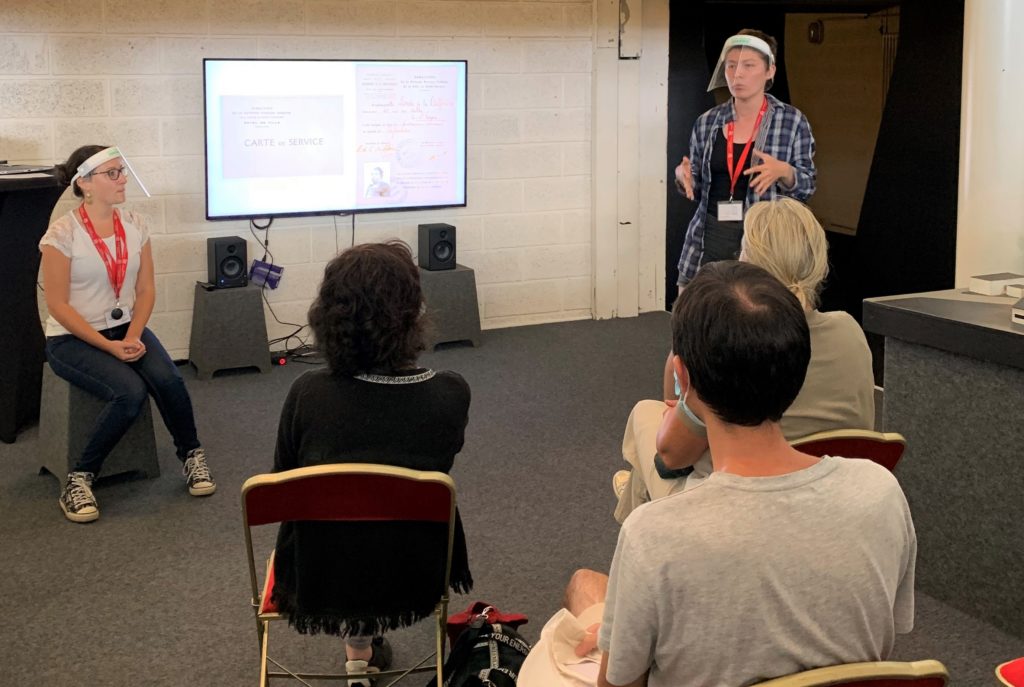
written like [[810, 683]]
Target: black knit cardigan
[[324, 581]]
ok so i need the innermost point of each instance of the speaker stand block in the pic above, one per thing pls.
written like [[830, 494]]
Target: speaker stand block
[[228, 330], [451, 305]]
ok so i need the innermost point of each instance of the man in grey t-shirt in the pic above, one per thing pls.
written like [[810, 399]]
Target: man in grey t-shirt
[[778, 562]]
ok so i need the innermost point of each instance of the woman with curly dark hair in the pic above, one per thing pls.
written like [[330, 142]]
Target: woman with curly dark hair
[[372, 404]]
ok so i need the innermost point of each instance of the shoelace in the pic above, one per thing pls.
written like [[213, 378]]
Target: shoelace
[[196, 469], [79, 493]]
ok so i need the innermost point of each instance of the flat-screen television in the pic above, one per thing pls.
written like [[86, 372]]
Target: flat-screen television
[[286, 138]]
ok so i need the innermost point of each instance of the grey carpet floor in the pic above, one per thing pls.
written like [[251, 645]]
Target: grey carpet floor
[[156, 591]]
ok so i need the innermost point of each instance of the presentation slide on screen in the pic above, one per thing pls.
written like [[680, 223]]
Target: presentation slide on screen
[[261, 136], [295, 137]]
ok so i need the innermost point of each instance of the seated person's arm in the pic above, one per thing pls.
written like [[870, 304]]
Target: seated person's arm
[[285, 452], [628, 636], [678, 444], [602, 677]]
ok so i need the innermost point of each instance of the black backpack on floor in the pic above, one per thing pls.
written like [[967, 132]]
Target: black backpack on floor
[[485, 655]]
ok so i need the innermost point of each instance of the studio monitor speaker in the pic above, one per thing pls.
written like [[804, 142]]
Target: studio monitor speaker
[[437, 246], [226, 262]]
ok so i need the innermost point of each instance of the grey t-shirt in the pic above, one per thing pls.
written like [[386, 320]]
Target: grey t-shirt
[[742, 579]]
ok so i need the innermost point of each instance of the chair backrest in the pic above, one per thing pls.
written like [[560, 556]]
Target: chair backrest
[[872, 674], [1011, 673], [350, 492], [884, 448]]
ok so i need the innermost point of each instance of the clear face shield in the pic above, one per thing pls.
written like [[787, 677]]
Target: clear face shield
[[87, 167], [753, 42]]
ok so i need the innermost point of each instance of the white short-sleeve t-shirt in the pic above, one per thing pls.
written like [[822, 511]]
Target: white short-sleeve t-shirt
[[90, 293]]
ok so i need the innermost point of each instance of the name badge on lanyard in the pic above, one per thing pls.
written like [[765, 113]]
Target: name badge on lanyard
[[732, 210], [123, 314], [117, 266]]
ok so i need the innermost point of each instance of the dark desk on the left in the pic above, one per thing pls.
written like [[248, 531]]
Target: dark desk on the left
[[26, 203]]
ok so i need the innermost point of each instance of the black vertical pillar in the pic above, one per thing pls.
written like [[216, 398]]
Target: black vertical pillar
[[906, 237], [688, 76]]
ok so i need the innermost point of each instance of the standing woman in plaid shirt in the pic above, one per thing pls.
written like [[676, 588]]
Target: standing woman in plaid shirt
[[753, 147]]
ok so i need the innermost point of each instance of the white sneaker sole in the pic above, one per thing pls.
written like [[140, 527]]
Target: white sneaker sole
[[78, 517], [202, 491]]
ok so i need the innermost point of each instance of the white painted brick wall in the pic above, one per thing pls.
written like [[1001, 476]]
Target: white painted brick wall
[[130, 74]]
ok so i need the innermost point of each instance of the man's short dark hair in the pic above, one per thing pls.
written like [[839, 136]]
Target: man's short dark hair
[[744, 340], [367, 314]]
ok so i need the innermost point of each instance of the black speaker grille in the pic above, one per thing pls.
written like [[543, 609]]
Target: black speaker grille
[[232, 266], [443, 251]]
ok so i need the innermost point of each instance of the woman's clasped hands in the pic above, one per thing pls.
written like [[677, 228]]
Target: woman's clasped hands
[[127, 350]]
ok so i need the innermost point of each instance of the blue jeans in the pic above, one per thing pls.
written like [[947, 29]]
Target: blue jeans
[[124, 387]]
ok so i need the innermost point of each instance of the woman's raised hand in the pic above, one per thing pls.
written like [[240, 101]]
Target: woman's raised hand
[[684, 178], [768, 171]]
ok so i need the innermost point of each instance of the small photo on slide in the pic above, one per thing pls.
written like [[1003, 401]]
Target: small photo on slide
[[377, 176]]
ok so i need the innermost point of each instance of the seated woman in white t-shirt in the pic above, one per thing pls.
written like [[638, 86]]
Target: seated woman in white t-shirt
[[667, 451], [98, 275]]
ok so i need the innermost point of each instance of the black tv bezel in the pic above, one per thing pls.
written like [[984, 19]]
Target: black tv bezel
[[341, 212]]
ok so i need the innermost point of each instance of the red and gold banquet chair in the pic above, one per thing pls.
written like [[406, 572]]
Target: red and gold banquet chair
[[884, 448], [346, 492], [871, 674]]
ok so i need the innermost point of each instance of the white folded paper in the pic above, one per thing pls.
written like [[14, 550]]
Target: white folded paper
[[1015, 290]]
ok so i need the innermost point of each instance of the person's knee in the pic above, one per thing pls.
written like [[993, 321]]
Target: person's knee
[[586, 588], [163, 376], [132, 396], [649, 407]]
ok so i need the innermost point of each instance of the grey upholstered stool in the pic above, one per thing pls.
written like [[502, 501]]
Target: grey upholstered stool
[[451, 301], [228, 330], [66, 415]]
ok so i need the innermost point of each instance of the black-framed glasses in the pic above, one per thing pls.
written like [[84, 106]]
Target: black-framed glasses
[[113, 174]]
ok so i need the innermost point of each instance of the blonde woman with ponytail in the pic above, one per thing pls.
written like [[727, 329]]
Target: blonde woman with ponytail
[[784, 238], [667, 449]]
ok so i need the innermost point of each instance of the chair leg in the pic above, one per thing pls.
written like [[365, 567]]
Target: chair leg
[[439, 634], [264, 641]]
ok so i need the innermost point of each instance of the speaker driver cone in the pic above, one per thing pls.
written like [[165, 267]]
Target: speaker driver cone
[[231, 267], [443, 250]]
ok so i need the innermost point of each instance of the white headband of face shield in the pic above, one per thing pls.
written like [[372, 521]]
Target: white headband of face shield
[[105, 155], [741, 41]]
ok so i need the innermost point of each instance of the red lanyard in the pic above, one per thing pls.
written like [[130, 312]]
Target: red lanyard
[[116, 269], [734, 175]]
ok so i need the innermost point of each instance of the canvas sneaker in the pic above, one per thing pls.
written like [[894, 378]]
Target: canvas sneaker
[[380, 660], [197, 474], [619, 481], [76, 499], [358, 667]]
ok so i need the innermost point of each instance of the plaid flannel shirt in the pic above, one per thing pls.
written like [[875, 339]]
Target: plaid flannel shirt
[[784, 134]]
